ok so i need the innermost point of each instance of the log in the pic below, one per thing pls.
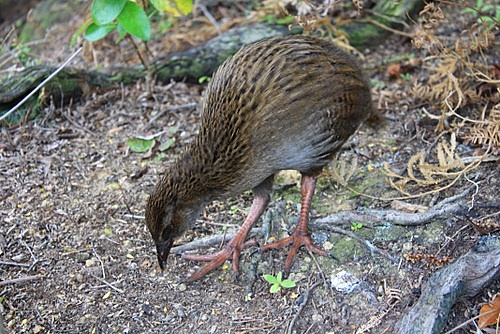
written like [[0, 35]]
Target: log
[[464, 277], [72, 84]]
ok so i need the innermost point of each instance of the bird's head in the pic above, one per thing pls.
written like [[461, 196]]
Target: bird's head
[[168, 216], [167, 219]]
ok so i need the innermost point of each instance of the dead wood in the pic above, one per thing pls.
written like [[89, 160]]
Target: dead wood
[[369, 218], [464, 277], [71, 84], [372, 217]]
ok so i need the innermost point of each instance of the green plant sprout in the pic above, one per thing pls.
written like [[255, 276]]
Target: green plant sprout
[[277, 283], [204, 79], [356, 226], [406, 76]]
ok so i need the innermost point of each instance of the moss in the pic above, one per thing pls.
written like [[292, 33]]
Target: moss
[[346, 249]]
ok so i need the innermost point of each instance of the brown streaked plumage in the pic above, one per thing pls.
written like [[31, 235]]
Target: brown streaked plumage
[[282, 103]]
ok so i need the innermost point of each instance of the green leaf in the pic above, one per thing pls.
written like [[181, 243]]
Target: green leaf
[[107, 231], [174, 7], [288, 283], [121, 32], [135, 21], [285, 20], [203, 79], [278, 277], [95, 32], [270, 278], [166, 145], [173, 130], [105, 11], [356, 226], [275, 288], [139, 145]]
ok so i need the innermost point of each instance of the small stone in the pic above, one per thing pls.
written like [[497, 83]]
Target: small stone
[[344, 282], [89, 263], [38, 329], [327, 246], [182, 287], [317, 318], [17, 258], [82, 257]]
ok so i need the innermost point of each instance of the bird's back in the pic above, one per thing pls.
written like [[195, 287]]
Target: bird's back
[[283, 103]]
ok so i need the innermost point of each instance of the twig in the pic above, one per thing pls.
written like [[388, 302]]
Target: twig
[[383, 26], [475, 192], [369, 245], [210, 17], [9, 263], [133, 216], [325, 282], [209, 241], [302, 306], [75, 251], [124, 196], [107, 283], [100, 260], [37, 88], [491, 215], [21, 279], [169, 108], [470, 320]]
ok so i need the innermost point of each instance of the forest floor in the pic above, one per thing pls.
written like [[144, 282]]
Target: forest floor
[[76, 256]]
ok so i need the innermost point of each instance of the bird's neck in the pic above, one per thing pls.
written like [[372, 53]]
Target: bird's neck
[[190, 180]]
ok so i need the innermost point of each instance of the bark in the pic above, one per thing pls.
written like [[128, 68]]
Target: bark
[[464, 277]]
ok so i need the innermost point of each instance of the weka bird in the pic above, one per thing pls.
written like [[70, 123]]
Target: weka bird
[[282, 103]]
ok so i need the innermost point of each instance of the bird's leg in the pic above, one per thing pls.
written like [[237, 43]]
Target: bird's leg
[[300, 236], [234, 247]]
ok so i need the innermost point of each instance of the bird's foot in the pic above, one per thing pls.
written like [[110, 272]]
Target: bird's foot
[[297, 240], [231, 252]]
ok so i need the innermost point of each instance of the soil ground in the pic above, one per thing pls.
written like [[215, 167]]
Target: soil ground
[[73, 195]]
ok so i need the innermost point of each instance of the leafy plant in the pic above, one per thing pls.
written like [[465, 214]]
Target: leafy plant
[[126, 17], [129, 19], [277, 282], [356, 226], [481, 9], [406, 76]]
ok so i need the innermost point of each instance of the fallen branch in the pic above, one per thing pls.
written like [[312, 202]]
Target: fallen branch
[[376, 217], [464, 277]]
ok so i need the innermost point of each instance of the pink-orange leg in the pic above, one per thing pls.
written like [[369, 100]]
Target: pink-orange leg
[[234, 247], [300, 236]]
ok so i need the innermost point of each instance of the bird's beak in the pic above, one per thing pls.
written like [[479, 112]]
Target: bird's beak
[[163, 249]]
